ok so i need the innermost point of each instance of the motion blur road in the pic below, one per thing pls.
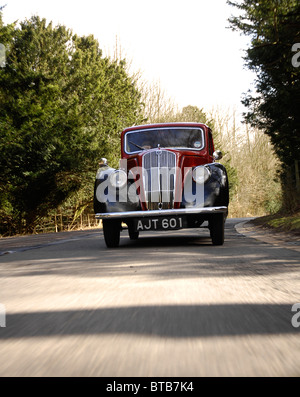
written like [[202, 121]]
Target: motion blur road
[[168, 304]]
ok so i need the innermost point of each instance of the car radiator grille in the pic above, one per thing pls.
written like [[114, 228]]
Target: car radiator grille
[[159, 169]]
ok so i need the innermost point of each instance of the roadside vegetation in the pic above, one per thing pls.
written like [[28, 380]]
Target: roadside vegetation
[[63, 105], [280, 223], [273, 105]]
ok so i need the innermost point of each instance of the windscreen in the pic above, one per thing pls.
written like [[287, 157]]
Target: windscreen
[[176, 138]]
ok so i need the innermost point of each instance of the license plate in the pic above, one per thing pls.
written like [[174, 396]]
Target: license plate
[[167, 223]]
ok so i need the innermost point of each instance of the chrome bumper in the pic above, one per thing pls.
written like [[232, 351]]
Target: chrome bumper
[[151, 213]]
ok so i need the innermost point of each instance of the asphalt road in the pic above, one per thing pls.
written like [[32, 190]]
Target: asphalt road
[[168, 305]]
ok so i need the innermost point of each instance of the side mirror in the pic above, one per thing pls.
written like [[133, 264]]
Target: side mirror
[[217, 155]]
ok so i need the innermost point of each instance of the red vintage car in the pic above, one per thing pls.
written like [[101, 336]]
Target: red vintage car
[[168, 179]]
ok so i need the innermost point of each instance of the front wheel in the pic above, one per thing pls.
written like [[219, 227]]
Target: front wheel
[[217, 229], [111, 231]]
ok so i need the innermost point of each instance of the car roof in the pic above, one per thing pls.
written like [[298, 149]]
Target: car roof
[[162, 125]]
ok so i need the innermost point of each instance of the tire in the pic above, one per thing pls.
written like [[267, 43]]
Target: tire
[[111, 231], [217, 229]]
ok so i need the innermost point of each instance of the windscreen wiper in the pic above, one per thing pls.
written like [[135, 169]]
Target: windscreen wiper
[[138, 146]]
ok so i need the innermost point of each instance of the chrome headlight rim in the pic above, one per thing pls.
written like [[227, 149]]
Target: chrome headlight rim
[[118, 183], [203, 176]]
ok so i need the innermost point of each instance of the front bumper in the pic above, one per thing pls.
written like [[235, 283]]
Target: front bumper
[[172, 212]]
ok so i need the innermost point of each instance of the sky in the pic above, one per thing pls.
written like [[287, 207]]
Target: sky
[[186, 46]]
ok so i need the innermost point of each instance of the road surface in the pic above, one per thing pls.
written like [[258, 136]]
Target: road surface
[[167, 305]]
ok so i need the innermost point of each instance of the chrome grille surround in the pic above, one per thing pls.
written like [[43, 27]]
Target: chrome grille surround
[[159, 168]]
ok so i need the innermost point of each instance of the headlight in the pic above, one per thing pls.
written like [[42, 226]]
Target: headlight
[[118, 178], [201, 174]]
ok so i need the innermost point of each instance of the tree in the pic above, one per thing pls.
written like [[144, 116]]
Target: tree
[[158, 108], [62, 106], [274, 27]]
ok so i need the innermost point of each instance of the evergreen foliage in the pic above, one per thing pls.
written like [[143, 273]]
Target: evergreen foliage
[[62, 106], [274, 29]]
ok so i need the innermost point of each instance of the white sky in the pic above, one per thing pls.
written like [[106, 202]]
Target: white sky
[[184, 44]]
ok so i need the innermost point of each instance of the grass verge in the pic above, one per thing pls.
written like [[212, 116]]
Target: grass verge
[[281, 223]]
